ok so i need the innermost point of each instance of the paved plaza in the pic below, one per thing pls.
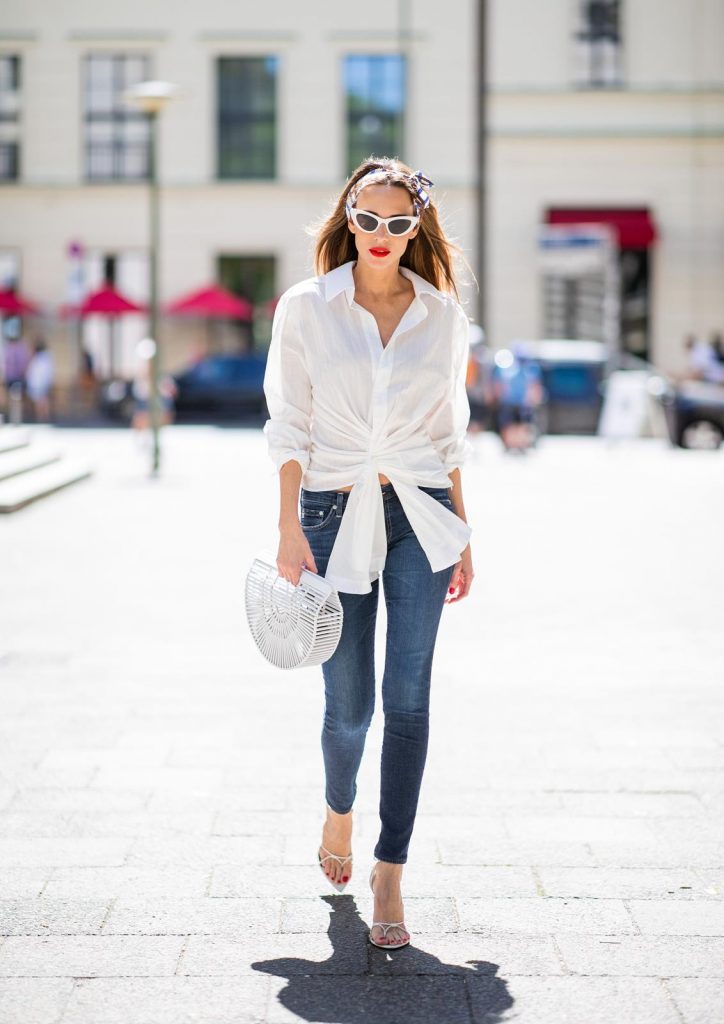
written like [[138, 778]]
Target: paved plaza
[[161, 786]]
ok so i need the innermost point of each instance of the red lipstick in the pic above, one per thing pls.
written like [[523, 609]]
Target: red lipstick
[[379, 252]]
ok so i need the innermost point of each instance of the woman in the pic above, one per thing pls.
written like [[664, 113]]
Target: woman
[[141, 391], [365, 386]]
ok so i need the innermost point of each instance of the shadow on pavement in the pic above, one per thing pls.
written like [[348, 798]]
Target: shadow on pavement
[[360, 983]]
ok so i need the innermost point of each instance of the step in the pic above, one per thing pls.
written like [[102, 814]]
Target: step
[[22, 460], [13, 437], [27, 487]]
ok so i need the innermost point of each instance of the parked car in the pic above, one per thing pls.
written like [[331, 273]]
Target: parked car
[[222, 385], [574, 378], [219, 386], [696, 417]]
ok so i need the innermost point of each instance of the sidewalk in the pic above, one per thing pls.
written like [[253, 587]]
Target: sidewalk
[[161, 787]]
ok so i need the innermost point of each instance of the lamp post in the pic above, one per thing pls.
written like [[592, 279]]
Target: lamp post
[[481, 115], [151, 97]]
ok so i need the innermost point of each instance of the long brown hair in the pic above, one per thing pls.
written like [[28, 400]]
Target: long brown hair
[[430, 253]]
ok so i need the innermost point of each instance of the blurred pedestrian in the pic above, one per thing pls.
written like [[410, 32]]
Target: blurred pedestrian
[[699, 357], [16, 356], [141, 390], [518, 389], [167, 398], [40, 375], [88, 370], [477, 383], [704, 361]]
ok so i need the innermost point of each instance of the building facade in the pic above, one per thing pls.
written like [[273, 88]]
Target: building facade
[[604, 111], [276, 103], [610, 112]]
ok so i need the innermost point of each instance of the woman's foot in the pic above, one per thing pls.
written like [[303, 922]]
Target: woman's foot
[[336, 838], [388, 903]]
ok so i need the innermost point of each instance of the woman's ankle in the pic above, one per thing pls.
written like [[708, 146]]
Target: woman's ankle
[[388, 866], [335, 818]]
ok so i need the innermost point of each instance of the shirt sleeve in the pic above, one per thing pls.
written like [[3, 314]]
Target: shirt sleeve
[[287, 389], [448, 424]]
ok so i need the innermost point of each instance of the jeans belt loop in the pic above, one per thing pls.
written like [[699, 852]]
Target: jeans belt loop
[[338, 503]]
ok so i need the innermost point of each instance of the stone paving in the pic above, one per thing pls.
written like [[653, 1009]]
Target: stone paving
[[161, 787]]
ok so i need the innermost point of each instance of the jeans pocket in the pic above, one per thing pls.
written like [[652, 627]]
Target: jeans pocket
[[316, 510]]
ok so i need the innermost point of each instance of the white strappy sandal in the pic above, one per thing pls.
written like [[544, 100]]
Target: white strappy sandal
[[386, 925], [339, 886]]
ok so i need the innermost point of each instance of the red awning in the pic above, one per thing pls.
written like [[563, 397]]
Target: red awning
[[633, 225]]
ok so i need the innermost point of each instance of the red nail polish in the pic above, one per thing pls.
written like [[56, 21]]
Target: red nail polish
[[345, 878], [451, 590]]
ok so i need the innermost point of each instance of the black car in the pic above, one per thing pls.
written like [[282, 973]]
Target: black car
[[696, 418], [221, 386], [225, 385]]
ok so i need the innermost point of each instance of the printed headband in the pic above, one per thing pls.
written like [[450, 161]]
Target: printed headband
[[418, 181]]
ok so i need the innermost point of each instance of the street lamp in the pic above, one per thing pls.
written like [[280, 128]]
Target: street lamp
[[151, 97]]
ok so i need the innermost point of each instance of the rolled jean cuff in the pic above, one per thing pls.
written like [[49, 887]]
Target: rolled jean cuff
[[389, 860]]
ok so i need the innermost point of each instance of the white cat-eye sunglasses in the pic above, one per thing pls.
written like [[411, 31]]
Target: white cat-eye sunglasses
[[370, 222]]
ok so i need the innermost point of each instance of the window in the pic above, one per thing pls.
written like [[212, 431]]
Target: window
[[375, 89], [252, 278], [599, 43], [9, 118], [116, 136], [247, 98]]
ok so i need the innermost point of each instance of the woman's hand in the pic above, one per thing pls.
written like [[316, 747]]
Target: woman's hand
[[462, 577], [294, 550]]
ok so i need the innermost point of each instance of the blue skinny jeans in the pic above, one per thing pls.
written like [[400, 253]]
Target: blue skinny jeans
[[414, 597]]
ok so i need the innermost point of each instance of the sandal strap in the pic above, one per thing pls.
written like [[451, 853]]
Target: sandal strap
[[336, 856], [385, 925]]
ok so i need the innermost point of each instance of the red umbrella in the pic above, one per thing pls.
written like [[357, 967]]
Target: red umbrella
[[212, 301], [11, 302], [105, 301], [109, 302]]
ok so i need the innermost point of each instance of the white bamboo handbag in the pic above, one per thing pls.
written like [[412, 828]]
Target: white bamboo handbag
[[291, 626]]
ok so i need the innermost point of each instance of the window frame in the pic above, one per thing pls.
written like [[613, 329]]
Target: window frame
[[589, 45], [248, 118], [398, 148], [121, 114], [13, 118]]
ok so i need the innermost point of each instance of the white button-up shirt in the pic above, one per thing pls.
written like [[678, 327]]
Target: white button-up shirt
[[347, 407]]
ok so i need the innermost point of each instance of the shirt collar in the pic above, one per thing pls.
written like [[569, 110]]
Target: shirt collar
[[341, 280]]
